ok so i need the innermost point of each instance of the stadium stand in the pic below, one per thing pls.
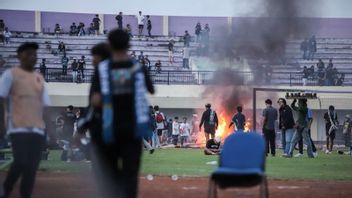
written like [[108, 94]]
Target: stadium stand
[[288, 73]]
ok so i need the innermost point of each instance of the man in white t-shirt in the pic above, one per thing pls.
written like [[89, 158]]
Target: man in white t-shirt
[[26, 97], [160, 122], [175, 131], [185, 130], [140, 21]]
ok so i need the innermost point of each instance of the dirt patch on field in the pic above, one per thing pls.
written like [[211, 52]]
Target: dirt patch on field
[[58, 185]]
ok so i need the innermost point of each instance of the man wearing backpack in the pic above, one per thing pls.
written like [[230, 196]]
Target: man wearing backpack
[[210, 121], [160, 122]]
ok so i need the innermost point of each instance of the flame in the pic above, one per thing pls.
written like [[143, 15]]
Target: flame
[[223, 129]]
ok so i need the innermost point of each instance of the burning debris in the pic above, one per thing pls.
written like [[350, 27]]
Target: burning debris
[[256, 41]]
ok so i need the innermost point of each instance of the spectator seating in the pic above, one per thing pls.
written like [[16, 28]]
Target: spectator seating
[[155, 48]]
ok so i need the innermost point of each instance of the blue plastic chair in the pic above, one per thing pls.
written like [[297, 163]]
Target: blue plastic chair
[[242, 164]]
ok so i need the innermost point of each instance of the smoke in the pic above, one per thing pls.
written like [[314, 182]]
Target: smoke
[[262, 37], [257, 41]]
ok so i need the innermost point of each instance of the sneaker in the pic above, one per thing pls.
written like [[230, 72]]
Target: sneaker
[[315, 154], [327, 152], [298, 155], [286, 155]]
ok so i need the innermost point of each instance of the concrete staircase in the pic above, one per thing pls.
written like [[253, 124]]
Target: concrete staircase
[[155, 48]]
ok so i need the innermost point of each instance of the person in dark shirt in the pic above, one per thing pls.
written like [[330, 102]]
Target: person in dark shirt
[[210, 121], [2, 25], [129, 30], [149, 26], [212, 146], [81, 31], [171, 51], [186, 39], [74, 67], [286, 124], [69, 119], [42, 68], [119, 19], [304, 48], [125, 119], [239, 120], [330, 64], [300, 142], [62, 47], [334, 77], [270, 117], [198, 31], [96, 21], [73, 29], [302, 128], [346, 132], [305, 75], [141, 57], [147, 62], [64, 62], [321, 64], [321, 77], [57, 29], [312, 48], [158, 67], [91, 29], [81, 66], [331, 123], [311, 73], [340, 80]]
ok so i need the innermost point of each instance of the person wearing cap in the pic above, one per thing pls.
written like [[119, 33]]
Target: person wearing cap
[[212, 146], [331, 123], [210, 121], [25, 92]]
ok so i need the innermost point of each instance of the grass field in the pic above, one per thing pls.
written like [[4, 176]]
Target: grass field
[[192, 162]]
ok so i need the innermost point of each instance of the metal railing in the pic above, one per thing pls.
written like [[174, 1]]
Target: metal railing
[[194, 77]]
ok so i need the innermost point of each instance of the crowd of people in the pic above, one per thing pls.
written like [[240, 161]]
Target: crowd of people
[[79, 30], [324, 76], [94, 27], [120, 120], [299, 131], [77, 66], [293, 132]]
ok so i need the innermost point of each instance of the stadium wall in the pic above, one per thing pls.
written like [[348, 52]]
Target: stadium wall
[[19, 20], [321, 27]]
